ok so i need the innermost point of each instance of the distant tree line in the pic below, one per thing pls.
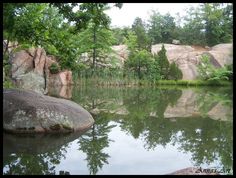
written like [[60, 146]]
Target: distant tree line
[[207, 24]]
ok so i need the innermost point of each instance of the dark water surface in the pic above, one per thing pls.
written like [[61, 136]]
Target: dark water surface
[[136, 131]]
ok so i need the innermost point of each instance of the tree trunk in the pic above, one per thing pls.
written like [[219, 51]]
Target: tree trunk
[[94, 48], [6, 47], [139, 70]]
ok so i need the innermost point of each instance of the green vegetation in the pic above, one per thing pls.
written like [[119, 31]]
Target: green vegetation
[[7, 82], [194, 82], [54, 68], [81, 39], [208, 72]]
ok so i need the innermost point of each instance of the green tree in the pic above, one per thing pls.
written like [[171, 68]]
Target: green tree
[[120, 34], [143, 41], [161, 28], [193, 32], [174, 72], [208, 24], [39, 25], [102, 45], [140, 63], [163, 63], [205, 69], [97, 19], [216, 24], [10, 10]]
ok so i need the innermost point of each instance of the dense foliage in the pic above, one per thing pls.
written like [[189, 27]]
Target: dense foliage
[[207, 24], [54, 68], [207, 71], [73, 32]]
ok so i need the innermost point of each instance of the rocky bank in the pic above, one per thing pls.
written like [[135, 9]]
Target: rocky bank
[[30, 70]]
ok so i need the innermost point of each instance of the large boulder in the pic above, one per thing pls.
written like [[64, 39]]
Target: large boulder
[[188, 57], [184, 56], [223, 53], [31, 112]]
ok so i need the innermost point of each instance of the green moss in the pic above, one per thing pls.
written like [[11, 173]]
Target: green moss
[[8, 84], [66, 127]]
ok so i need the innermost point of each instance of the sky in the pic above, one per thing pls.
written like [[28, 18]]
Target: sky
[[126, 15]]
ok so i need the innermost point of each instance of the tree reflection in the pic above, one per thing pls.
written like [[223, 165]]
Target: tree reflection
[[207, 140], [30, 164], [94, 141], [143, 103], [208, 98]]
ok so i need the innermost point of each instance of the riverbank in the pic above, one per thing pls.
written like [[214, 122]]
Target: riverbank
[[136, 82]]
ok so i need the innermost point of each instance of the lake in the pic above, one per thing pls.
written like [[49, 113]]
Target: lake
[[137, 130]]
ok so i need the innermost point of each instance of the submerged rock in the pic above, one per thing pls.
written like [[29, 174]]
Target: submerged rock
[[30, 112]]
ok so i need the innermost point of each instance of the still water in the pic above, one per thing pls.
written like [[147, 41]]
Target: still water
[[137, 131]]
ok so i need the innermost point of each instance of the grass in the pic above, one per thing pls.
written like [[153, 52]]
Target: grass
[[194, 82], [136, 82]]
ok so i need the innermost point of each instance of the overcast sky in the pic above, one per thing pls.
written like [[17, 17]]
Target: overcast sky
[[126, 15]]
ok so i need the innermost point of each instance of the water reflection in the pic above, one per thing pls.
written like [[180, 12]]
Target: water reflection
[[93, 143], [35, 154], [194, 121]]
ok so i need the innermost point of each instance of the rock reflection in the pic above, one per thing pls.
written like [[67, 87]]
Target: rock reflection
[[36, 154], [63, 91]]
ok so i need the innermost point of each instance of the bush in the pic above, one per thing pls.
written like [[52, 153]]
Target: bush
[[209, 73], [54, 68], [8, 84]]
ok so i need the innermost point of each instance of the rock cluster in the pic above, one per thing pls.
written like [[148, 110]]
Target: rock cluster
[[30, 69]]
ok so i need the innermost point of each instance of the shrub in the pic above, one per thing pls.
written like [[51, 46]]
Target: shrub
[[54, 68]]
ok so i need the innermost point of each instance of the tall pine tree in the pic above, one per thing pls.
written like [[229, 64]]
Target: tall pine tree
[[163, 62], [174, 72]]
